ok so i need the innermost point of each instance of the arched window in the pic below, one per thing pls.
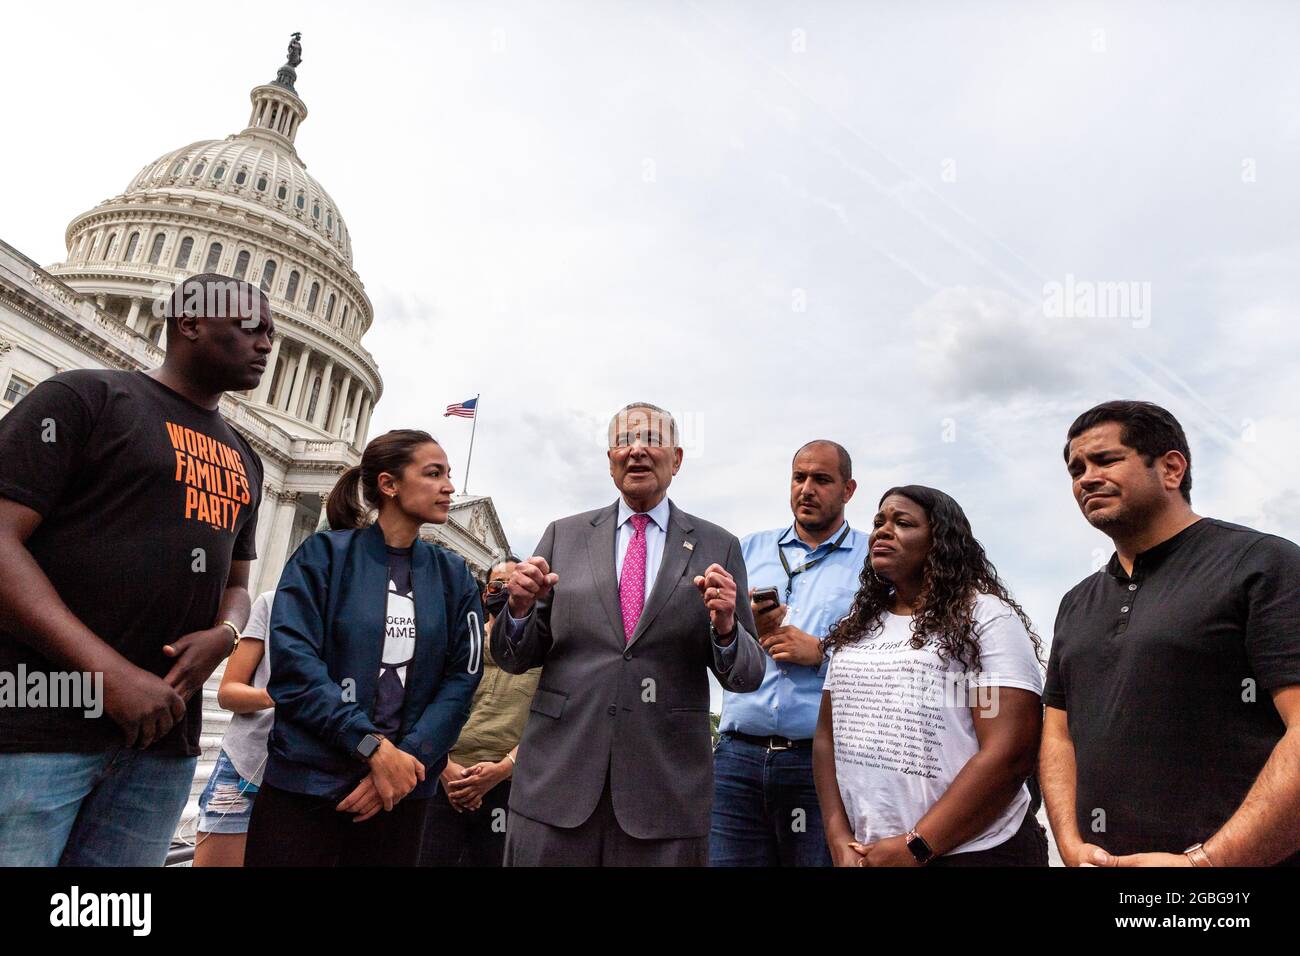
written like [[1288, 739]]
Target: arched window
[[108, 245], [155, 333], [315, 210], [131, 245], [155, 250], [183, 254], [219, 173], [268, 275], [241, 264], [291, 291], [301, 201], [312, 296], [329, 308], [199, 167], [315, 396], [261, 184], [329, 219], [214, 258], [282, 193], [241, 177]]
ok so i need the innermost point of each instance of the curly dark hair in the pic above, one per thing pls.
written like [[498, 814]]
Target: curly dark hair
[[956, 571]]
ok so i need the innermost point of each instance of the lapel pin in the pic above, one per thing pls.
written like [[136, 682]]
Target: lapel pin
[[688, 545]]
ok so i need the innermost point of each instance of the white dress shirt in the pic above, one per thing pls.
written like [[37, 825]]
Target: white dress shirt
[[656, 534]]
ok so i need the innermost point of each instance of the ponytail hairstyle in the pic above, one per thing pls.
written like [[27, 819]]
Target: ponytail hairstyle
[[356, 494]]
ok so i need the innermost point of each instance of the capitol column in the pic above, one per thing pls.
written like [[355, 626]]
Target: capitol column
[[323, 397], [265, 518], [359, 442], [353, 412], [277, 397], [300, 410], [278, 543], [334, 427], [134, 314], [299, 376], [263, 392]]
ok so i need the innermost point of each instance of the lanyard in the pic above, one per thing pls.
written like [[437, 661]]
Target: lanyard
[[789, 575]]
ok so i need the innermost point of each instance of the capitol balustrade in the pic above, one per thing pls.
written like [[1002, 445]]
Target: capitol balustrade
[[305, 451]]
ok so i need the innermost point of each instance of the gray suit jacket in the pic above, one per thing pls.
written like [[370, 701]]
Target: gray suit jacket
[[639, 712]]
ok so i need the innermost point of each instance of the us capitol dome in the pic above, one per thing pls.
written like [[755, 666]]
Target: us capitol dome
[[244, 206]]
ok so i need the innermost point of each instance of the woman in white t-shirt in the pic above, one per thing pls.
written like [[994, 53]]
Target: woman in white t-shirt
[[931, 710]]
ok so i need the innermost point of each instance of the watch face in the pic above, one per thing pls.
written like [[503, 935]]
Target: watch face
[[920, 849]]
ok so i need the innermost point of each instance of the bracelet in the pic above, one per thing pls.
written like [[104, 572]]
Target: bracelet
[[233, 630], [510, 758]]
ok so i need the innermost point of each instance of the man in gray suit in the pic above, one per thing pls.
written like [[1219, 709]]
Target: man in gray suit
[[625, 608]]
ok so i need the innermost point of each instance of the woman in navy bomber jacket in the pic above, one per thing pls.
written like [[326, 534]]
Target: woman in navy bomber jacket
[[376, 652]]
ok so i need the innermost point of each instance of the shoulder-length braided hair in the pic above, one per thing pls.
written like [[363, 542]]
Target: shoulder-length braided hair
[[956, 571]]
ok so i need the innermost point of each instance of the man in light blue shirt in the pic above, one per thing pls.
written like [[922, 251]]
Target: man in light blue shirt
[[765, 810]]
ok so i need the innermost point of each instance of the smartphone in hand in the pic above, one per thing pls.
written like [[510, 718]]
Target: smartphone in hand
[[765, 599]]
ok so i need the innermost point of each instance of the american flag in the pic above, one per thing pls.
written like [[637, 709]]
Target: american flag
[[463, 409]]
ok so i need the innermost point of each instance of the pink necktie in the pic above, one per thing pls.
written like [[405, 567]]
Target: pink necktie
[[631, 584]]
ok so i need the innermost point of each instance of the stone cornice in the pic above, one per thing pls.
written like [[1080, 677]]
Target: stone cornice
[[163, 207]]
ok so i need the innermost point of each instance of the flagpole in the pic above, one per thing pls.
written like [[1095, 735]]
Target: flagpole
[[470, 457]]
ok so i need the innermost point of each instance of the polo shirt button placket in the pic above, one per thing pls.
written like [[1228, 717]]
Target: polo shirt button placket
[[1124, 611]]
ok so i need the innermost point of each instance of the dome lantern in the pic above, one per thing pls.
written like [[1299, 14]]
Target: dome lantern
[[277, 110]]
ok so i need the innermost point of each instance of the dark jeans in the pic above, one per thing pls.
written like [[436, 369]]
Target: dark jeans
[[765, 810], [1027, 847], [469, 837], [292, 829]]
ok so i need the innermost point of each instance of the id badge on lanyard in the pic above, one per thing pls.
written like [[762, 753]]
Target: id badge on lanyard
[[789, 574]]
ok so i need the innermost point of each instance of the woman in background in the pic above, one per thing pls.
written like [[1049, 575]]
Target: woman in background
[[226, 804], [931, 711]]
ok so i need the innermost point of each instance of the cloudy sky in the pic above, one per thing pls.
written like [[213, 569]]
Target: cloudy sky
[[780, 220]]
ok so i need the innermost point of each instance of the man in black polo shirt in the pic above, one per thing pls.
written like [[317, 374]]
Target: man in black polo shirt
[[1172, 730], [127, 519]]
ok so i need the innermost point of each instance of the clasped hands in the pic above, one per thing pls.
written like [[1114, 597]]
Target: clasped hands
[[466, 786], [393, 774]]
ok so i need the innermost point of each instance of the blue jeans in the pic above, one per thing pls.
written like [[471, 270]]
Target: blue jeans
[[765, 810], [115, 808]]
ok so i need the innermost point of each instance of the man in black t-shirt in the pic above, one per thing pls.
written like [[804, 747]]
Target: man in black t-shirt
[[1172, 727], [128, 509]]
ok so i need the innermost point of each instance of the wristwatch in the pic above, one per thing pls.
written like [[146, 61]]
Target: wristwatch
[[233, 630], [713, 632], [1197, 855], [369, 744], [920, 849]]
